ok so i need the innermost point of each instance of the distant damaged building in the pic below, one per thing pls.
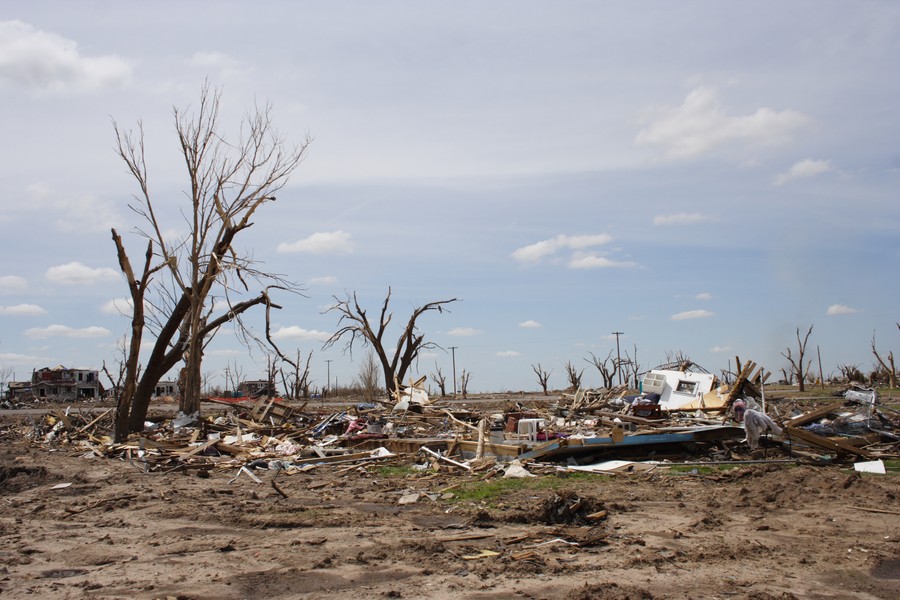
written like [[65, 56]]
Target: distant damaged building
[[62, 383]]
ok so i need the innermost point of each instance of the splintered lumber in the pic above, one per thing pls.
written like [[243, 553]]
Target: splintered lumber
[[813, 415], [197, 449], [89, 425], [628, 418], [445, 459], [340, 458], [743, 378], [495, 449], [832, 444]]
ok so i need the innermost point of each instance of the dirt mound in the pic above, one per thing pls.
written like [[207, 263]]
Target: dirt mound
[[567, 508], [18, 478], [610, 591]]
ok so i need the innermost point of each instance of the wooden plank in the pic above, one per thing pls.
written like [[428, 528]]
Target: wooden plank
[[197, 449], [86, 427], [628, 418], [814, 415], [334, 458], [496, 449], [833, 444]]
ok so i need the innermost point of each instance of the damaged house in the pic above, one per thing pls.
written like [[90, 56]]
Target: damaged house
[[62, 383]]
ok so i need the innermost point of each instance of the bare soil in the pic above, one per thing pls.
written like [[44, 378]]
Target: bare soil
[[757, 531]]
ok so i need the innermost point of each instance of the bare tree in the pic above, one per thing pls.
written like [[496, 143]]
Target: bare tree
[[357, 327], [887, 366], [850, 373], [440, 379], [632, 367], [678, 359], [234, 375], [573, 375], [607, 368], [464, 378], [543, 377], [787, 377], [797, 366], [271, 372], [369, 379], [229, 182], [296, 382], [6, 375], [130, 365]]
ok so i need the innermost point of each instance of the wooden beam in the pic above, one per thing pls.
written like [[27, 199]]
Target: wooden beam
[[814, 415], [832, 444]]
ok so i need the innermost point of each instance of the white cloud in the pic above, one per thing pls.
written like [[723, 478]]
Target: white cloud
[[12, 284], [530, 324], [538, 250], [803, 170], [703, 296], [117, 306], [692, 314], [298, 333], [840, 309], [12, 357], [700, 125], [70, 214], [46, 62], [225, 353], [463, 331], [75, 273], [334, 242], [681, 219], [23, 310], [719, 349], [508, 353], [327, 280], [586, 260], [66, 331]]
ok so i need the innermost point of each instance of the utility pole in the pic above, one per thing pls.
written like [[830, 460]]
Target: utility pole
[[227, 373], [821, 375], [618, 356], [328, 380], [453, 353]]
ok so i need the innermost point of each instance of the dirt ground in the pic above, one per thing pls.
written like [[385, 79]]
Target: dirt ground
[[756, 531]]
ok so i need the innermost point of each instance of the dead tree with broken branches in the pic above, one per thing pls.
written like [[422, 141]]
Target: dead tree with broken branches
[[886, 364], [440, 379], [607, 367], [797, 366], [573, 375], [632, 367], [296, 379], [355, 326], [205, 274], [543, 377], [368, 377], [464, 379]]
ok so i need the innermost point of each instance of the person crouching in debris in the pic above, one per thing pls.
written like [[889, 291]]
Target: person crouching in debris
[[758, 424], [737, 410]]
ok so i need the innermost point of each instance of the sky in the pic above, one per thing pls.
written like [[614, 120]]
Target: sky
[[704, 177]]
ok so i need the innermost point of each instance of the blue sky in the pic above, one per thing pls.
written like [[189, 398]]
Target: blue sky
[[705, 177]]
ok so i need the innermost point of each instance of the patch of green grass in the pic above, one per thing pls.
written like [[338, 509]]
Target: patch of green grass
[[892, 466], [494, 489], [699, 469], [395, 471]]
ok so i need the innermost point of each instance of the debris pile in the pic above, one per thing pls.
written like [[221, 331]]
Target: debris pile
[[678, 414]]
